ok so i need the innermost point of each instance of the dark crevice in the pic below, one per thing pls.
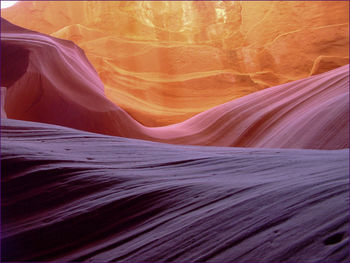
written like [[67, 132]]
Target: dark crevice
[[334, 239]]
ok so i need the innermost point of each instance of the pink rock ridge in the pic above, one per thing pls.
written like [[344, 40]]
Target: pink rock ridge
[[61, 87], [166, 61]]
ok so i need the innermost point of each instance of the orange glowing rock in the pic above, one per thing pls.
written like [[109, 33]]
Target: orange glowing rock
[[164, 62], [60, 86]]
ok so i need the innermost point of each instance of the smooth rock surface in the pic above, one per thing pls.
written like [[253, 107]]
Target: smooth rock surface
[[165, 61], [61, 87]]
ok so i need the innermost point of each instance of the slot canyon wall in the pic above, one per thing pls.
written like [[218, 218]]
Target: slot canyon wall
[[164, 62]]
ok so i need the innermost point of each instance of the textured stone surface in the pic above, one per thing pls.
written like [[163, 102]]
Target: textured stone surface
[[61, 87], [163, 62], [73, 196]]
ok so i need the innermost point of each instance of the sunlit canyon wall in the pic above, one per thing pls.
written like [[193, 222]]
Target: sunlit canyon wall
[[164, 62]]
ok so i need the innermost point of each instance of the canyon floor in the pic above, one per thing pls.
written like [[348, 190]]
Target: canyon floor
[[70, 195]]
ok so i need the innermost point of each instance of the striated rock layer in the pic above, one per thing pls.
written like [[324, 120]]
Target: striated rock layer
[[70, 196], [165, 61], [61, 87]]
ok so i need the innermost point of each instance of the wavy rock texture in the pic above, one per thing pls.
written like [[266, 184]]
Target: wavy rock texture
[[61, 87], [70, 195], [164, 62]]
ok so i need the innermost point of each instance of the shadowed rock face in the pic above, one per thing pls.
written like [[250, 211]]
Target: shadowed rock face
[[70, 196], [61, 87], [163, 62], [14, 63]]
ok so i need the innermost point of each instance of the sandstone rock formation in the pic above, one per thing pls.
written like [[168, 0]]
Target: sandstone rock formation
[[164, 62], [61, 87], [74, 196], [71, 192]]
